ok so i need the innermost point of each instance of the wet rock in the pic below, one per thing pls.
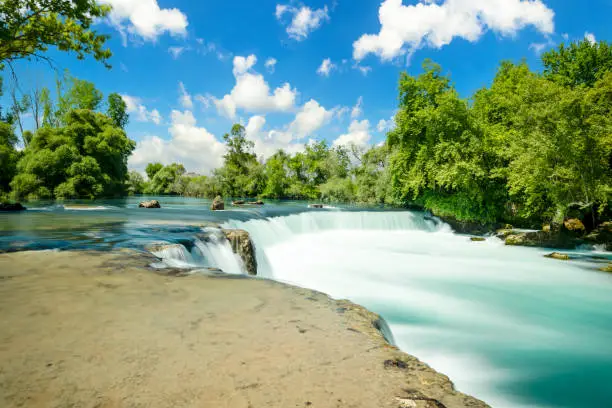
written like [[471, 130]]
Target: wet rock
[[607, 268], [258, 202], [238, 202], [217, 204], [602, 235], [149, 204], [477, 239], [241, 244], [315, 206], [11, 207], [574, 225], [503, 233], [159, 247], [559, 256], [542, 239]]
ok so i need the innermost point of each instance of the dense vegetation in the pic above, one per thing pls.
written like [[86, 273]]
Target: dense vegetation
[[530, 148]]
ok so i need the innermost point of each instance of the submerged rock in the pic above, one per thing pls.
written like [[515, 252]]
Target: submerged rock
[[14, 207], [315, 206], [559, 256], [477, 239], [217, 204], [241, 244], [258, 202], [238, 202], [607, 268], [149, 204]]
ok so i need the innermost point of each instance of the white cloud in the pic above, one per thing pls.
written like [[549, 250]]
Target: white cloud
[[436, 23], [363, 69], [386, 125], [139, 111], [243, 64], [253, 94], [326, 67], [177, 51], [268, 142], [271, 64], [309, 119], [303, 21], [196, 148], [565, 36], [357, 110], [145, 19], [590, 37], [185, 98], [358, 134]]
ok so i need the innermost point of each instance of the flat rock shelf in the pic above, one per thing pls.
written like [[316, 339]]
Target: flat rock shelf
[[101, 329]]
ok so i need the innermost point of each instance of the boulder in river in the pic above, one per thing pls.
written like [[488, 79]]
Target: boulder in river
[[11, 207], [217, 204], [559, 256], [477, 239], [241, 244], [545, 239], [238, 202], [149, 204], [602, 235], [315, 206], [607, 268], [574, 225], [258, 202]]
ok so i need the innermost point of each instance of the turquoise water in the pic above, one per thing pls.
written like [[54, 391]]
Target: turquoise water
[[506, 324]]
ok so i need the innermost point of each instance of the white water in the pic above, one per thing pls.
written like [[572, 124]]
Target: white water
[[495, 319]]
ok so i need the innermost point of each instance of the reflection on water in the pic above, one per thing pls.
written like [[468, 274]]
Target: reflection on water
[[506, 324]]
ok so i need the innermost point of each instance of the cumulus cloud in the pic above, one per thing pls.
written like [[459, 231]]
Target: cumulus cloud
[[268, 142], [271, 65], [429, 23], [139, 111], [590, 37], [309, 119], [252, 93], [358, 134], [145, 19], [196, 148], [326, 67], [185, 97], [386, 125], [303, 20]]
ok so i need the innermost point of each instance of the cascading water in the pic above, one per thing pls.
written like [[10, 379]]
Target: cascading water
[[506, 324]]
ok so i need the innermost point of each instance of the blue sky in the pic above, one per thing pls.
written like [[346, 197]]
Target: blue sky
[[291, 71]]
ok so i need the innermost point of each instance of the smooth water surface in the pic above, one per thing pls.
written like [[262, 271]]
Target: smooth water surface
[[506, 324]]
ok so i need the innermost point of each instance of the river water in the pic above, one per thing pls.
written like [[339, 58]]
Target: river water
[[506, 324]]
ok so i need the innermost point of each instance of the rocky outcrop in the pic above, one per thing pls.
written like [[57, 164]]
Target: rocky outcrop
[[14, 207], [217, 204], [238, 202], [607, 268], [544, 239], [243, 246], [602, 235], [149, 204], [574, 225]]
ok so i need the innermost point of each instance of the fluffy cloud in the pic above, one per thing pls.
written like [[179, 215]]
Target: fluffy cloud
[[326, 67], [185, 98], [252, 93], [386, 125], [139, 111], [357, 111], [590, 37], [145, 19], [435, 24], [303, 19], [271, 64], [309, 119], [268, 142], [358, 134], [196, 148]]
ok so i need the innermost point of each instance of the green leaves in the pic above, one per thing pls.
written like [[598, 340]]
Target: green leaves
[[30, 27]]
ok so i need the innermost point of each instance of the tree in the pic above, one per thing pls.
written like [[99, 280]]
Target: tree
[[165, 181], [579, 63], [152, 169], [30, 27], [8, 155], [135, 183], [117, 110], [239, 159], [87, 157]]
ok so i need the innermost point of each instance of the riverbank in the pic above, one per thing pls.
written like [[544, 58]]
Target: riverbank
[[100, 329]]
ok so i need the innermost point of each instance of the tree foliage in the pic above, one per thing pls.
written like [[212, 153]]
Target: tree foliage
[[29, 27]]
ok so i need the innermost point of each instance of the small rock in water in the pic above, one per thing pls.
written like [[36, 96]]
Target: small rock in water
[[239, 202], [316, 206], [217, 204], [559, 256], [607, 268], [477, 239], [11, 207], [149, 204]]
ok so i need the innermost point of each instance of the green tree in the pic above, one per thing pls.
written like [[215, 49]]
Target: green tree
[[166, 180], [117, 110], [135, 183], [30, 27], [579, 63], [152, 169]]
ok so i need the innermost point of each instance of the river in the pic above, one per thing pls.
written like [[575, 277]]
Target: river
[[506, 324]]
